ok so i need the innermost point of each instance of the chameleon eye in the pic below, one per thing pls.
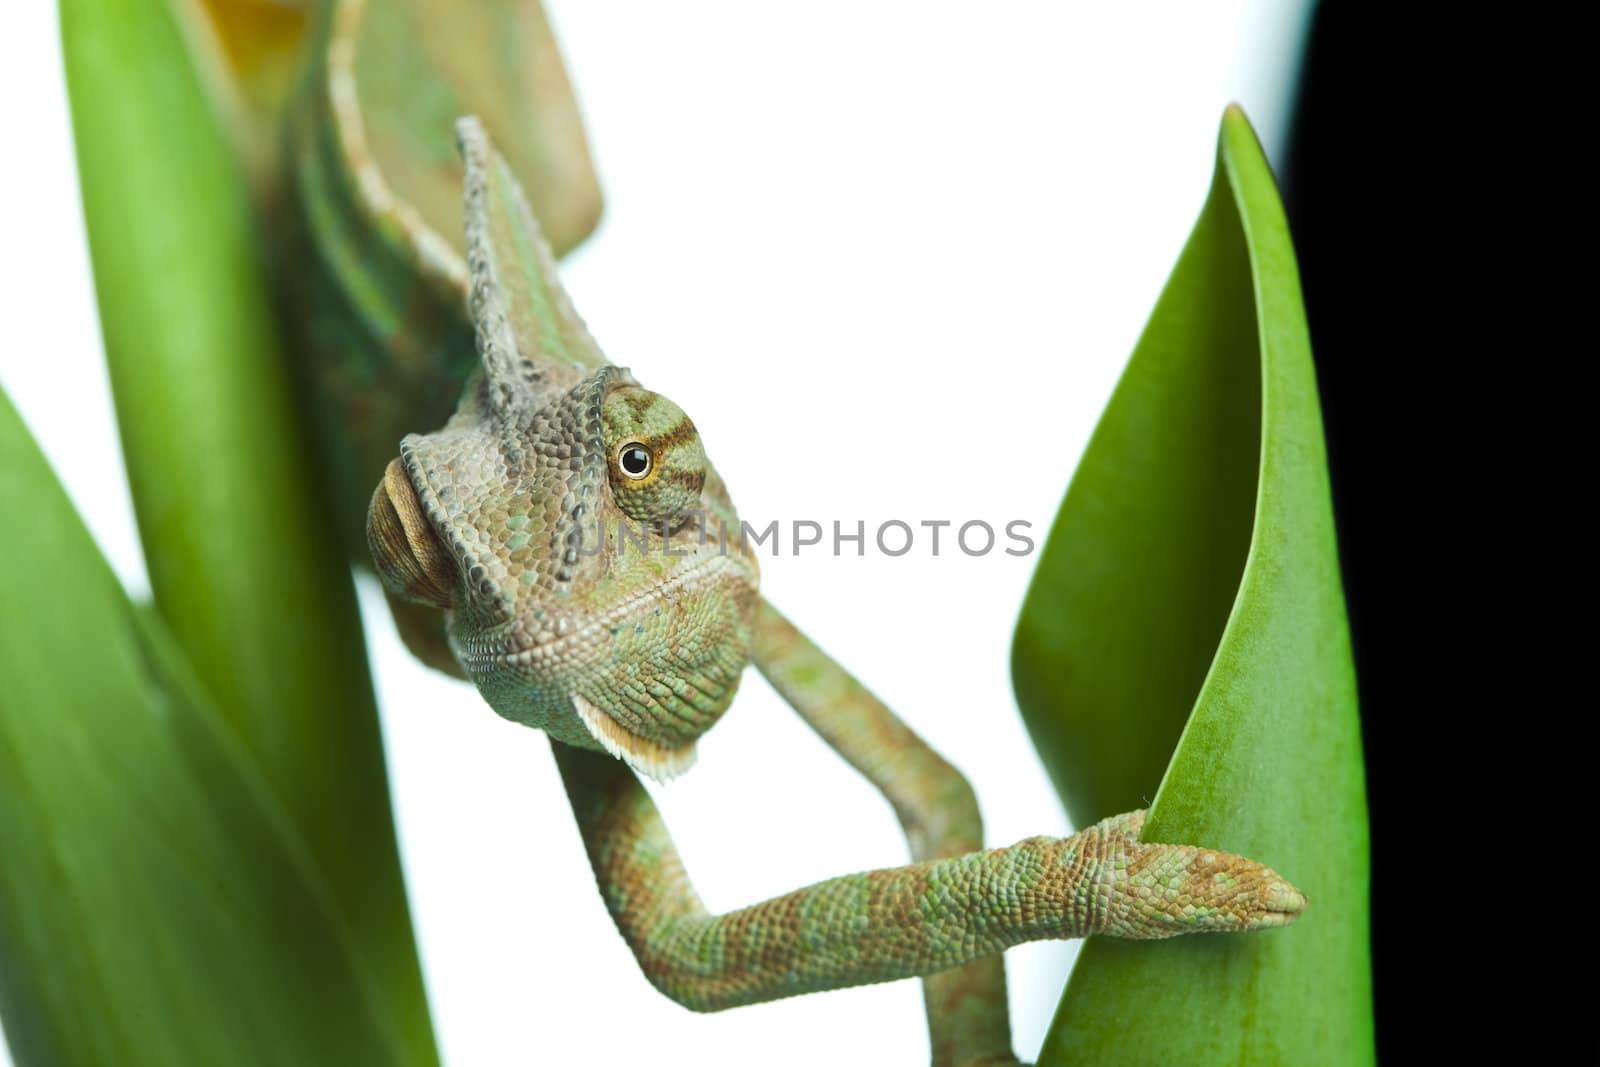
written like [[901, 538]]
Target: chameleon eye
[[657, 466], [635, 460]]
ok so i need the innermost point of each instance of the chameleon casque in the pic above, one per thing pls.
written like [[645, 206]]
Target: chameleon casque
[[495, 532]]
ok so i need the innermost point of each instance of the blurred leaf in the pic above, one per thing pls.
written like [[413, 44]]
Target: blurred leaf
[[248, 54], [244, 567], [156, 906], [1189, 596]]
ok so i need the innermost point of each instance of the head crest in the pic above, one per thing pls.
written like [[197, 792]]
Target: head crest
[[532, 343]]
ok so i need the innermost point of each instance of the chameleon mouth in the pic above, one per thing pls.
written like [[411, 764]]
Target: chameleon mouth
[[650, 758]]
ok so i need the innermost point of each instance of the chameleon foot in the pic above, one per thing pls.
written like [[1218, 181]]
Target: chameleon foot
[[1146, 890]]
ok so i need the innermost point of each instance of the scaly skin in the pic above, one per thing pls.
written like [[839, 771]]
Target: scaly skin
[[485, 532], [504, 521], [968, 1018], [946, 917]]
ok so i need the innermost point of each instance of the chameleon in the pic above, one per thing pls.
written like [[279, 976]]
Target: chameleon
[[547, 540]]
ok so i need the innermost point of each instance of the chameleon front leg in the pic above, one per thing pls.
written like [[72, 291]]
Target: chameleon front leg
[[968, 1017], [924, 919]]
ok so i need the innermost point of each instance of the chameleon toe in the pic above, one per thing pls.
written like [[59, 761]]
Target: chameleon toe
[[1281, 904]]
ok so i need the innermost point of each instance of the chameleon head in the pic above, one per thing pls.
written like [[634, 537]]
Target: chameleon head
[[588, 562], [566, 520]]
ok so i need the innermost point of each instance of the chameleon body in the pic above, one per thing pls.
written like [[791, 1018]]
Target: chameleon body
[[498, 533]]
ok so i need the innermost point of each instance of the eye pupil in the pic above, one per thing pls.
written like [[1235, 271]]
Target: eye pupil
[[635, 461]]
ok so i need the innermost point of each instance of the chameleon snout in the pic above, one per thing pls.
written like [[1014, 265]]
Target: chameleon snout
[[409, 558]]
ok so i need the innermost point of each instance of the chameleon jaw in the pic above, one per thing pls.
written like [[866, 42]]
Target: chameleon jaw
[[650, 758], [503, 647]]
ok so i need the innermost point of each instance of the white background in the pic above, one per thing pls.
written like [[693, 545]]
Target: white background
[[891, 259]]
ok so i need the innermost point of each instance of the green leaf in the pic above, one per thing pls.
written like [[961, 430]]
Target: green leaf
[[246, 571], [156, 906], [1185, 640]]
